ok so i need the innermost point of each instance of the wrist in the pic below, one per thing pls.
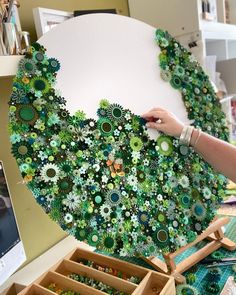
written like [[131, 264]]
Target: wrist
[[186, 134], [179, 131], [195, 137]]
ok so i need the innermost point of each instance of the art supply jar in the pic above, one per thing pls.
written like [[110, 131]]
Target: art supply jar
[[24, 41]]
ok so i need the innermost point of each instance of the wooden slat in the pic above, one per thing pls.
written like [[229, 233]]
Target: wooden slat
[[68, 266], [156, 263], [128, 268], [142, 285], [225, 242], [197, 256], [213, 227], [169, 288], [152, 280], [68, 284], [35, 289], [40, 290]]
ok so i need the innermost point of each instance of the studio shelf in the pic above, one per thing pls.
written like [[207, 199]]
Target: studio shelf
[[9, 64]]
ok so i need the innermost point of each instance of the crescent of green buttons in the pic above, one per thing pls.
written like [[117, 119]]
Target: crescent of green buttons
[[104, 180]]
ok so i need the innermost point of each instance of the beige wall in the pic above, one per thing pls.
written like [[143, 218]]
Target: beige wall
[[26, 13], [38, 232], [232, 11]]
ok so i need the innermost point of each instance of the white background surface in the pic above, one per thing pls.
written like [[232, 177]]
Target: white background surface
[[110, 56]]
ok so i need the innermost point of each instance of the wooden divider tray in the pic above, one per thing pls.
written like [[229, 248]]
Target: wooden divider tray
[[125, 277]]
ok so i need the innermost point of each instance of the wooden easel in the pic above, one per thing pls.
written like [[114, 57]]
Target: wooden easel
[[217, 239]]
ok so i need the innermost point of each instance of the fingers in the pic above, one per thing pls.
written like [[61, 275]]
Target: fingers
[[154, 114], [154, 125], [158, 109]]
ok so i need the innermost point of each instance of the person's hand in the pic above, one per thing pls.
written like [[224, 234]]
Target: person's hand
[[164, 121]]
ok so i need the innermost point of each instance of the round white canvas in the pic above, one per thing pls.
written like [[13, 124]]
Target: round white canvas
[[113, 57]]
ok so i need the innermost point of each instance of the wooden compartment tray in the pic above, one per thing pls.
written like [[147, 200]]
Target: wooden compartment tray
[[148, 283]]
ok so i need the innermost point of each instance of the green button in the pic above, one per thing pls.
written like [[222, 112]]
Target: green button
[[98, 199], [64, 184], [109, 242], [28, 66], [26, 113], [161, 217], [117, 113], [39, 85]]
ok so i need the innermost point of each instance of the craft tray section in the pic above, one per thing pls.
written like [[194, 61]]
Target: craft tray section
[[84, 272]]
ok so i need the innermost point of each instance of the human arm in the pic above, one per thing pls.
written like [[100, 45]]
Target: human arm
[[218, 153]]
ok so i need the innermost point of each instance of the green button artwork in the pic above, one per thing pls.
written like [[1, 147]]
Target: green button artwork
[[103, 180], [26, 113]]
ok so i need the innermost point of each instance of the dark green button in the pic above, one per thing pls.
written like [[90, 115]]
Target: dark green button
[[67, 168], [117, 113], [106, 127], [39, 85], [26, 113], [28, 66], [109, 242], [64, 184]]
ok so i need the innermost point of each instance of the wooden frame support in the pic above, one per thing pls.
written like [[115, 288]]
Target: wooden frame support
[[217, 240]]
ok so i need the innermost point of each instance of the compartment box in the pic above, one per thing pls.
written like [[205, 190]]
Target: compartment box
[[68, 267], [150, 282], [108, 261]]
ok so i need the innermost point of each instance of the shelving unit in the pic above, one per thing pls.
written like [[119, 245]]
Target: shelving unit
[[219, 39], [183, 20], [8, 65]]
